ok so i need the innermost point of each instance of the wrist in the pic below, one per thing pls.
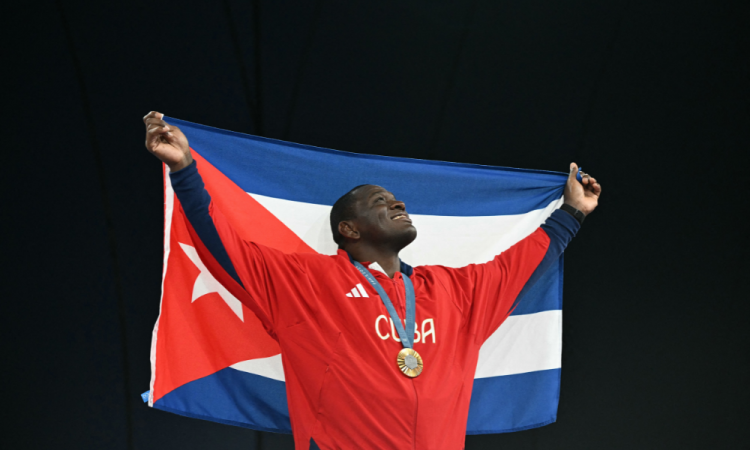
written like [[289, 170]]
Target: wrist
[[573, 211], [181, 164]]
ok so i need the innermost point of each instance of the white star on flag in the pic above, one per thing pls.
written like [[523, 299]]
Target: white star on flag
[[207, 284]]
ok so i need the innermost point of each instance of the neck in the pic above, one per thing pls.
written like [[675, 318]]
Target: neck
[[388, 259]]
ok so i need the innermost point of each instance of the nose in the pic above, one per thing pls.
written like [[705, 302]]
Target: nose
[[397, 204]]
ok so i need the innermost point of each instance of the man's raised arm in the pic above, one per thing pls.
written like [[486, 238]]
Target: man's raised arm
[[492, 290], [580, 200], [169, 144]]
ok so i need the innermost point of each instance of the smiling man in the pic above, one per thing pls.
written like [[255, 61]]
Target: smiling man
[[395, 368]]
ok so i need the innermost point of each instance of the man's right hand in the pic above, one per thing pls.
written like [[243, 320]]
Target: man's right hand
[[166, 142]]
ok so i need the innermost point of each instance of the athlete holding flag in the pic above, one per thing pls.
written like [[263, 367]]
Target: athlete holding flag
[[346, 386]]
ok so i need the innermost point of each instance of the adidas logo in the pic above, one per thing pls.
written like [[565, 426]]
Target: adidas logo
[[357, 291]]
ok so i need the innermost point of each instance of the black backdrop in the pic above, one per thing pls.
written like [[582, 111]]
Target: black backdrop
[[652, 97]]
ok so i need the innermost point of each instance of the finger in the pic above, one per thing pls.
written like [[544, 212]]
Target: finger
[[168, 132], [154, 117], [158, 123], [593, 187], [573, 172], [159, 120], [157, 129], [589, 182], [152, 140], [153, 114], [154, 135], [151, 123]]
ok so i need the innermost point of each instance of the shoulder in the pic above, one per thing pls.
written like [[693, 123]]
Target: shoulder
[[443, 283], [443, 275], [440, 272], [321, 263]]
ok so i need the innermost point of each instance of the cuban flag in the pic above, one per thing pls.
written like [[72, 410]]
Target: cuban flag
[[212, 359]]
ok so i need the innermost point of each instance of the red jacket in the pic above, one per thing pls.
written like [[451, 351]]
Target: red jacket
[[344, 387]]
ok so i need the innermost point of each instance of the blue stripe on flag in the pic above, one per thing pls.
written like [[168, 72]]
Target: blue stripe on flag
[[232, 397], [514, 402], [321, 175]]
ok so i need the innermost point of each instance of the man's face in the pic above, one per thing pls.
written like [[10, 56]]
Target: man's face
[[382, 219]]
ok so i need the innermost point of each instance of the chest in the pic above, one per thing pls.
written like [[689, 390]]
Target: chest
[[353, 307]]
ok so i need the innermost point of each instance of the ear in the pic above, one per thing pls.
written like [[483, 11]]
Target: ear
[[348, 229]]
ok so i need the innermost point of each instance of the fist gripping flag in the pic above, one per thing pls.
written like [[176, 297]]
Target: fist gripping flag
[[211, 357]]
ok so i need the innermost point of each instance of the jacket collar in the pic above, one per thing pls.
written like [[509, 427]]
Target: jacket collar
[[405, 268]]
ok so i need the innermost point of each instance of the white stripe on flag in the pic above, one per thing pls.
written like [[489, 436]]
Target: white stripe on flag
[[521, 345], [524, 343], [473, 239], [168, 211], [270, 367]]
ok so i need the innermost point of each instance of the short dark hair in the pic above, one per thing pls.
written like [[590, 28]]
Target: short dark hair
[[343, 209]]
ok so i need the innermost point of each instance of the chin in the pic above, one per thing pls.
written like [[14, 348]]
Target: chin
[[406, 237]]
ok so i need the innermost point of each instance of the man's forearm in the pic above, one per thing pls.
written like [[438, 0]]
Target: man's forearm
[[561, 227], [190, 190]]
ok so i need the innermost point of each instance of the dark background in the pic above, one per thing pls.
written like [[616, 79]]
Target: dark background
[[651, 97]]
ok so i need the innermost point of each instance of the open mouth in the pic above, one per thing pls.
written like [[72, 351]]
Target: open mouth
[[400, 217]]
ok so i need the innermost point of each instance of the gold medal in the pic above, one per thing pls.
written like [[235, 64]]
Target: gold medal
[[409, 362]]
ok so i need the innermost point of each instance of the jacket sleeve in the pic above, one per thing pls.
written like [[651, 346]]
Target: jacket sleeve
[[488, 293], [250, 271]]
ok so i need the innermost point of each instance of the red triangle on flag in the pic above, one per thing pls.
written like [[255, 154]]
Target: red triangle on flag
[[197, 337]]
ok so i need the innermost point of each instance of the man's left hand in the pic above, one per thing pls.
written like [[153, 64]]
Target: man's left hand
[[583, 195]]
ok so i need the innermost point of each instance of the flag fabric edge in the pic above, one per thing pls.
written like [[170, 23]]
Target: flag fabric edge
[[364, 155], [168, 211]]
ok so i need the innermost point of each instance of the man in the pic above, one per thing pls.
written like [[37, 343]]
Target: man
[[346, 386]]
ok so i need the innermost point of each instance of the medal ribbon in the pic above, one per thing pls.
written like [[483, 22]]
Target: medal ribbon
[[407, 336]]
